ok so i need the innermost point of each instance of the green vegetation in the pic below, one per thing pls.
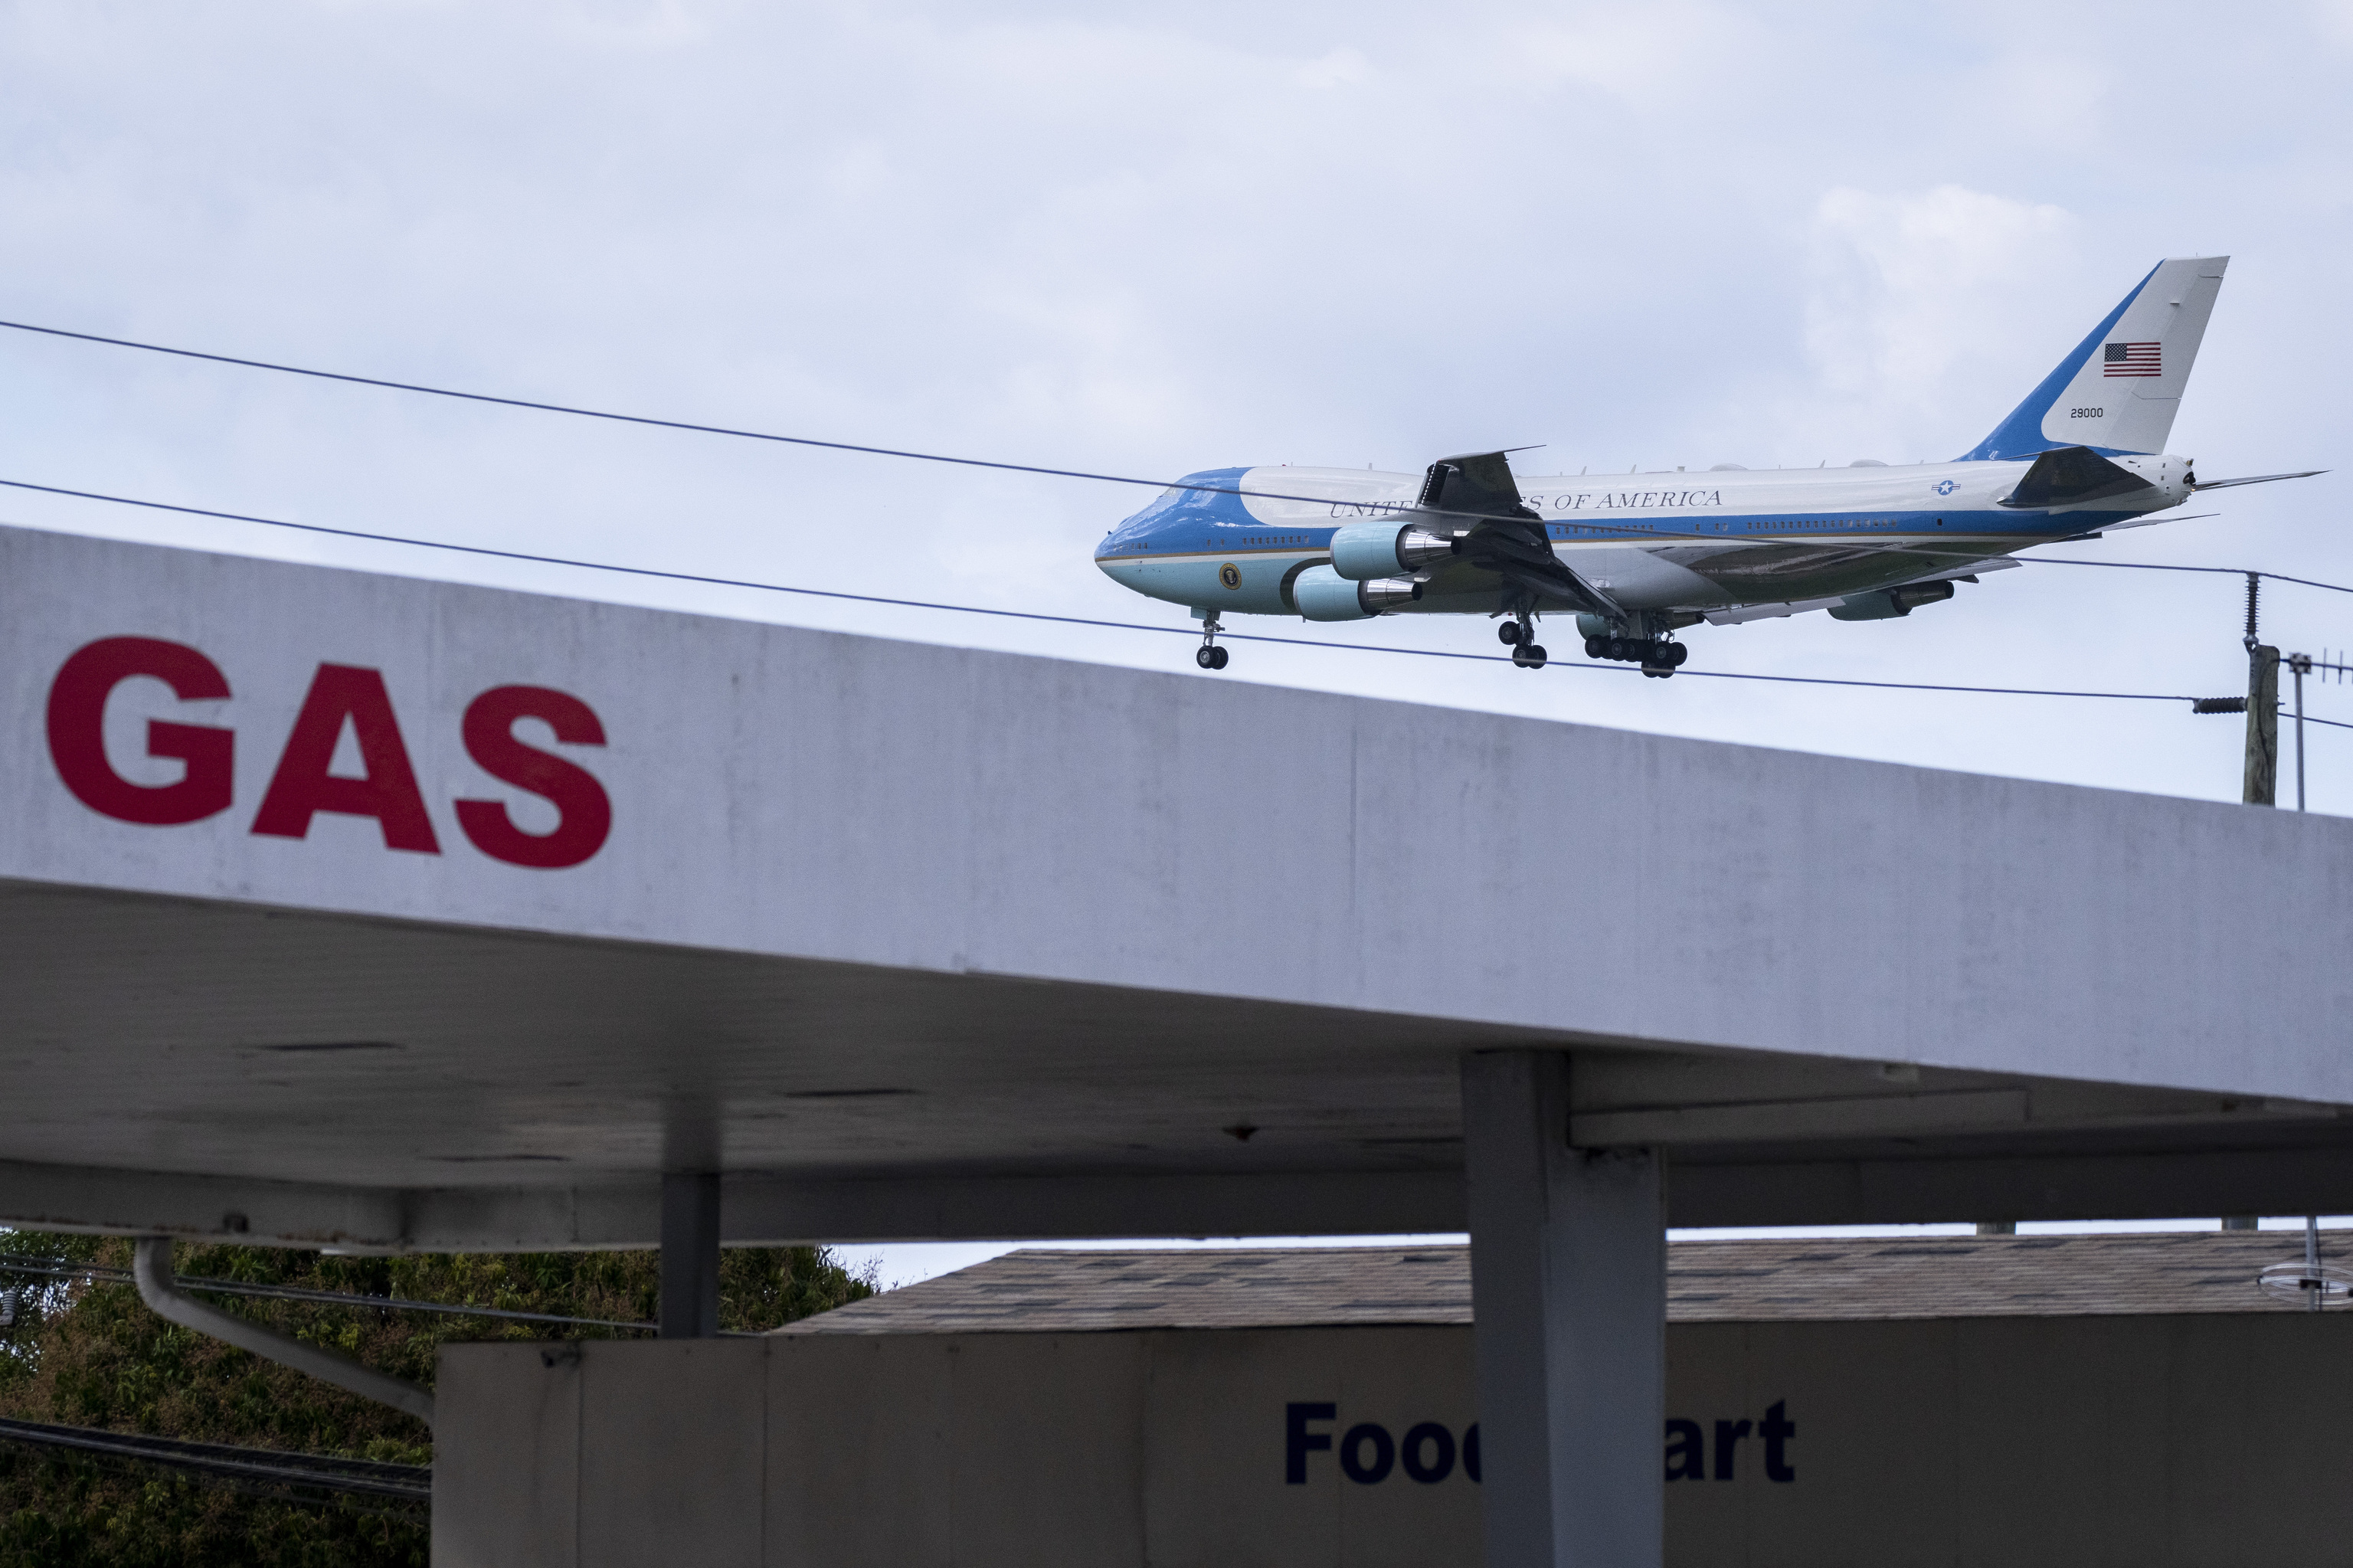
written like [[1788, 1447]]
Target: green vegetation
[[91, 1354]]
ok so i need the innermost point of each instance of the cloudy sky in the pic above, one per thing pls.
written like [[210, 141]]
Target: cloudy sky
[[1149, 239]]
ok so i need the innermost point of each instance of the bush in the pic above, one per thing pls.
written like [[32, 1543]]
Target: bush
[[91, 1354]]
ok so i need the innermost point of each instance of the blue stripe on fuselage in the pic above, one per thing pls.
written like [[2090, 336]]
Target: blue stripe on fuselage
[[1192, 522]]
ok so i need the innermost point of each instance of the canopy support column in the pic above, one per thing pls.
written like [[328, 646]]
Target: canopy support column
[[1569, 1287], [690, 1254]]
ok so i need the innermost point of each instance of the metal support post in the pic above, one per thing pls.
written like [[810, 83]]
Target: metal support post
[[690, 1254], [2316, 1293], [1568, 1293], [151, 1267], [2263, 726], [2300, 665]]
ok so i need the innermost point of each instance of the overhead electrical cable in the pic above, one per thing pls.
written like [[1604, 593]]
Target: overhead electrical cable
[[654, 422], [688, 425], [265, 1469], [66, 1269], [2159, 567], [708, 580]]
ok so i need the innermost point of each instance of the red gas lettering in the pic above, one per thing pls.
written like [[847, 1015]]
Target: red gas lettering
[[77, 737], [387, 791], [585, 814]]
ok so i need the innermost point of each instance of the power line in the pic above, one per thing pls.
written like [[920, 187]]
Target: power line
[[691, 426], [65, 1269], [262, 1469], [698, 429], [2152, 566], [1040, 615]]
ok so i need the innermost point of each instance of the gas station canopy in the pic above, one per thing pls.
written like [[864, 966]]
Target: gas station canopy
[[381, 913]]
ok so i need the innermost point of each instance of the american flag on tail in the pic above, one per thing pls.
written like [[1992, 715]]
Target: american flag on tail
[[2132, 360]]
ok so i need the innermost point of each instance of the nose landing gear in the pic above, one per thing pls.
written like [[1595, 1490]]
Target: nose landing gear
[[1210, 656]]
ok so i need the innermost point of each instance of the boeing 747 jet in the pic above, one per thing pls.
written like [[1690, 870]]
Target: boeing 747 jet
[[1639, 557]]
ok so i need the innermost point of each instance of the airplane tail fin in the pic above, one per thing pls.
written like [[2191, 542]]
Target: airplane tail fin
[[2120, 389]]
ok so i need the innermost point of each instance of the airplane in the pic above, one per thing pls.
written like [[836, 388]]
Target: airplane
[[1636, 558]]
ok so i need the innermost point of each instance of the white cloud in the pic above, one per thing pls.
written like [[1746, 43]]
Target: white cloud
[[2335, 19], [1343, 67], [630, 24], [1907, 290], [1640, 55], [1904, 285]]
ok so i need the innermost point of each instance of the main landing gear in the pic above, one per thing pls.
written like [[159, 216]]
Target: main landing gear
[[1658, 657], [1520, 636], [1210, 656]]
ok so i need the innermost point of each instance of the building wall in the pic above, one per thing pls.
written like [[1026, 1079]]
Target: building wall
[[2012, 1441]]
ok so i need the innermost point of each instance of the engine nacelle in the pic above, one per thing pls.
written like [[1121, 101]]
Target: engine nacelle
[[1889, 603], [1366, 550], [1319, 593]]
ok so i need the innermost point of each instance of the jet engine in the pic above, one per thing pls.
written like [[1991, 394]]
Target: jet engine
[[1319, 593], [1365, 550]]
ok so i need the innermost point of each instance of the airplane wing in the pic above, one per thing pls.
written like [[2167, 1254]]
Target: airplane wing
[[1474, 498]]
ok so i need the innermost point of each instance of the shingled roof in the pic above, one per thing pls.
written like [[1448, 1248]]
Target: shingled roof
[[1038, 1290]]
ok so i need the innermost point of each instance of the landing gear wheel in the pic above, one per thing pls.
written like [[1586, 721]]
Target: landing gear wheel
[[1528, 656], [1210, 656], [1619, 649], [1596, 648], [1508, 633], [1676, 654]]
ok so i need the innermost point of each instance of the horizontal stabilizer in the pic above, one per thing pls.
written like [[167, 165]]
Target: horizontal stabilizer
[[2073, 474], [2256, 479]]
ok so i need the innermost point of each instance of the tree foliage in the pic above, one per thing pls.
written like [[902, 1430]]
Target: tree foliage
[[89, 1353]]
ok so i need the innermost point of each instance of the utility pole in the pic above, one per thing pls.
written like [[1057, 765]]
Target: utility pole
[[2263, 726], [2263, 710]]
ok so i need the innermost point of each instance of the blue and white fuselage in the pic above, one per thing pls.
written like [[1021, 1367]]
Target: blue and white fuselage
[[1637, 556], [1699, 543]]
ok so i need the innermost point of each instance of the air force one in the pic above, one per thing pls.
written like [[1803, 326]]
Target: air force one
[[1636, 558]]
